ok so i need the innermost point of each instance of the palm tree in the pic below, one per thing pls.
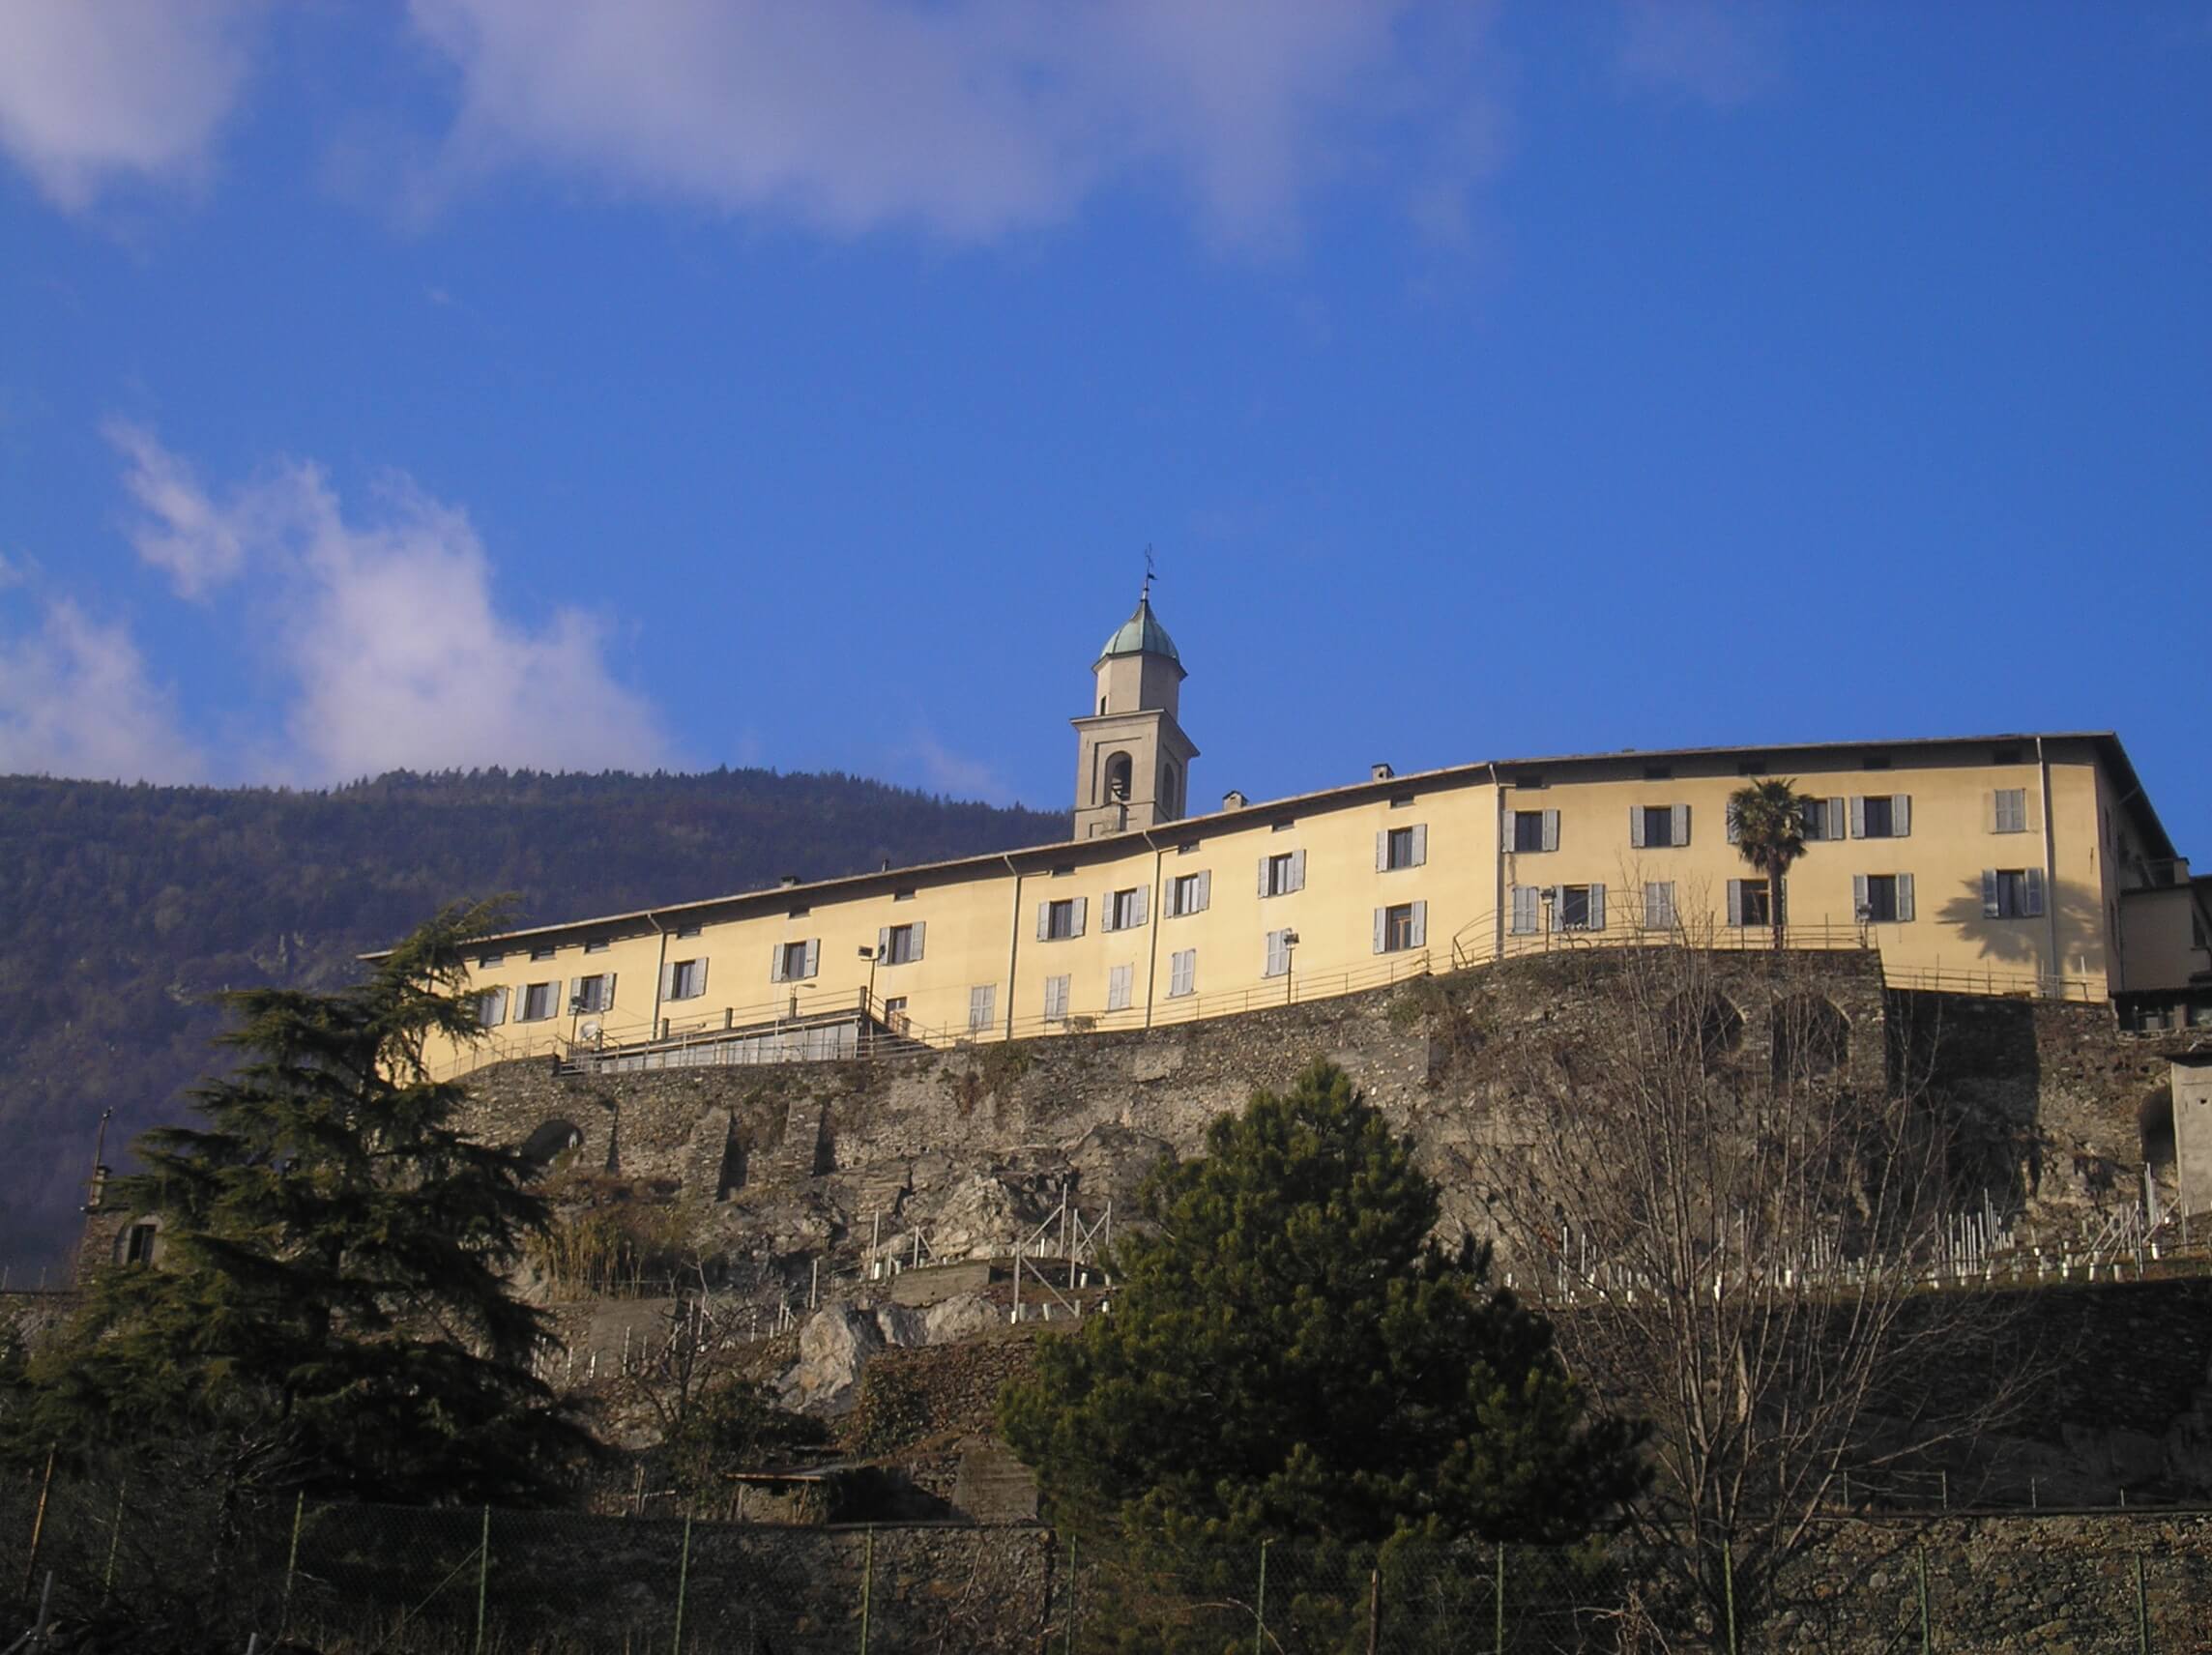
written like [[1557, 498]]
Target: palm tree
[[1766, 820]]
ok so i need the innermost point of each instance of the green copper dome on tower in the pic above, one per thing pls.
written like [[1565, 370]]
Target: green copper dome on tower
[[1142, 634]]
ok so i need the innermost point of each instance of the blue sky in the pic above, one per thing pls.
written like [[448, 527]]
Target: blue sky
[[635, 383]]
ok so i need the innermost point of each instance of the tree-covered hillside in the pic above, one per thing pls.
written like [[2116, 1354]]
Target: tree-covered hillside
[[126, 907]]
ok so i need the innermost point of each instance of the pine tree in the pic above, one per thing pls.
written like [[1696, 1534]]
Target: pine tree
[[1291, 1354], [329, 1294]]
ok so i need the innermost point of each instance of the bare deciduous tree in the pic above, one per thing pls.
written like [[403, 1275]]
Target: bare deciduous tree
[[1733, 1201]]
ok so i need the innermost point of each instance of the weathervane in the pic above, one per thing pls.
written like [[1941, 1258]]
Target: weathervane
[[1150, 575]]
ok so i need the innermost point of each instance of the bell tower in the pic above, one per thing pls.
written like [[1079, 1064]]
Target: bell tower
[[1132, 765]]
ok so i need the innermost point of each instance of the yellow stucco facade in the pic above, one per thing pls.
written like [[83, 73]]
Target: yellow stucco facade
[[2009, 864]]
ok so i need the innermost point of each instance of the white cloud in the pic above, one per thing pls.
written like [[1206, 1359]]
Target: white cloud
[[75, 701], [95, 90], [956, 776], [965, 117], [1720, 52], [387, 631]]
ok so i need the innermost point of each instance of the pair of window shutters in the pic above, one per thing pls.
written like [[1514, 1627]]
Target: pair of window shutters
[[1659, 905], [1905, 907], [1056, 998], [1418, 933], [1200, 892], [1528, 909], [598, 1001], [1080, 910], [1278, 954], [1549, 838], [690, 976], [1121, 987], [779, 962], [1419, 857], [1596, 921], [1678, 828], [1182, 971], [914, 950], [2007, 811], [491, 1007], [2031, 895], [1825, 819], [1139, 900], [1295, 879], [1735, 891], [982, 1000], [1899, 816]]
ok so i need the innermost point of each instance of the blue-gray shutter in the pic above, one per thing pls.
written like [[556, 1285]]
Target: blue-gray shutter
[[1381, 923], [1635, 826], [2034, 893], [1382, 851], [1859, 896], [1422, 845], [775, 970], [1421, 937], [607, 1003], [1557, 902], [1204, 891], [1735, 902], [1264, 862], [1681, 824], [1551, 830], [1901, 815], [702, 986], [1523, 909], [919, 931], [1988, 893], [1142, 907], [1597, 907], [1082, 914], [1859, 816], [884, 944], [668, 981], [1044, 921], [1297, 870], [1905, 909], [575, 990], [1832, 820], [1106, 914]]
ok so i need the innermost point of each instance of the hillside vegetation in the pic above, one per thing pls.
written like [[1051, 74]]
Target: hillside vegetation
[[126, 908]]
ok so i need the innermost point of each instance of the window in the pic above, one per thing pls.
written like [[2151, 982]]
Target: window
[[1881, 816], [899, 944], [1121, 987], [540, 1001], [1658, 904], [1751, 766], [1400, 800], [1825, 819], [138, 1242], [894, 1012], [1278, 961], [1658, 772], [2012, 893], [684, 931], [543, 951], [1126, 909], [1533, 781], [1658, 827], [1579, 908], [982, 1003], [1401, 926], [1749, 901], [1535, 830], [1401, 848], [1875, 762], [491, 959], [1282, 873], [797, 913], [1882, 899], [597, 945], [1060, 920], [903, 895], [1190, 893], [1056, 999], [794, 962], [686, 979], [1284, 825], [2008, 810], [491, 1007], [1182, 973], [592, 993]]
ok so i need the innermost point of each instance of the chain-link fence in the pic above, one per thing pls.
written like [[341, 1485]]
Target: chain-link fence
[[120, 1565]]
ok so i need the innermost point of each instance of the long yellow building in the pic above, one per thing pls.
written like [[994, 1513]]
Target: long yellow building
[[2010, 864]]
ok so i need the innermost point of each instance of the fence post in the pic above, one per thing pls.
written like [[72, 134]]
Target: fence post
[[483, 1578], [291, 1567], [1374, 1612], [1927, 1642], [1728, 1589], [683, 1579], [114, 1539], [38, 1523], [868, 1583], [1259, 1614], [1498, 1647], [2142, 1610]]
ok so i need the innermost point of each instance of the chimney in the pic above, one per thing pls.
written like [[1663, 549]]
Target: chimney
[[1233, 801], [1381, 773]]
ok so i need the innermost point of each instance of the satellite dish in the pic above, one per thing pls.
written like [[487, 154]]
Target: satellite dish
[[590, 1029]]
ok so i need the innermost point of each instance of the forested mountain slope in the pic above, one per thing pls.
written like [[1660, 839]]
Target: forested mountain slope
[[124, 908]]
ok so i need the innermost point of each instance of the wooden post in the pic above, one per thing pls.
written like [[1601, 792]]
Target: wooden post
[[1374, 1612], [483, 1578], [683, 1579], [38, 1523]]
